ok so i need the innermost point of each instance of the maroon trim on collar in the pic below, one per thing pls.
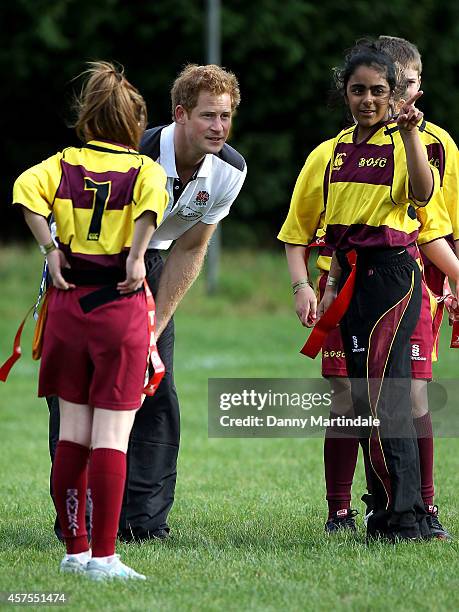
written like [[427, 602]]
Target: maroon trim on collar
[[117, 144]]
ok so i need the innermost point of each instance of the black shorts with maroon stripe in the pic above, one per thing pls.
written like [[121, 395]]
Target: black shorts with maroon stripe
[[376, 332]]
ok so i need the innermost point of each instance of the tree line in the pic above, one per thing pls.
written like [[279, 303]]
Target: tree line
[[282, 53]]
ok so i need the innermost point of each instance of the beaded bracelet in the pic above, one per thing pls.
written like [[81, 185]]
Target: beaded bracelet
[[301, 284]]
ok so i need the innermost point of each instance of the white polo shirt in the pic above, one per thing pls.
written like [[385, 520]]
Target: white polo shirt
[[207, 197]]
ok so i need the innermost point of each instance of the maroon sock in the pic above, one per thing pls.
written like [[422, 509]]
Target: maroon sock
[[107, 475], [69, 478], [340, 459], [424, 432]]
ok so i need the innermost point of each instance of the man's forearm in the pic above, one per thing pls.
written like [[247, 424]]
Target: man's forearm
[[181, 269]]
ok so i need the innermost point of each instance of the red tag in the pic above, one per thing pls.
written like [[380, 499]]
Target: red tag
[[452, 307], [153, 355], [17, 351], [455, 335], [333, 315]]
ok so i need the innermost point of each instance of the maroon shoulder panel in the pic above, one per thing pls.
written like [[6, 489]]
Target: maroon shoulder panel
[[436, 155], [72, 186]]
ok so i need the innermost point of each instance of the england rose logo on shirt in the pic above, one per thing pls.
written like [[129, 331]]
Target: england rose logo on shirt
[[202, 198]]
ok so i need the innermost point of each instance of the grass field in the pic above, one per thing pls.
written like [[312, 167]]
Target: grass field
[[248, 521]]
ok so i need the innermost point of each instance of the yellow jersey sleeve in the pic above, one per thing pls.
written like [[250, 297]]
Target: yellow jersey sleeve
[[307, 206], [434, 220], [36, 187], [150, 190], [451, 183], [443, 154]]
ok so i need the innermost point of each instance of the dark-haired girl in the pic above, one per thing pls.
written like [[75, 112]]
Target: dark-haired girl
[[379, 176]]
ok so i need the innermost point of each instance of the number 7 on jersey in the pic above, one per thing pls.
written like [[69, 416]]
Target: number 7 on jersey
[[100, 199]]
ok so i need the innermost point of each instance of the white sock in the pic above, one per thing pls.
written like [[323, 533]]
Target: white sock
[[108, 559], [83, 557]]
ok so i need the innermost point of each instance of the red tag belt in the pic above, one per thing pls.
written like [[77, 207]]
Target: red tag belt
[[153, 355], [333, 315]]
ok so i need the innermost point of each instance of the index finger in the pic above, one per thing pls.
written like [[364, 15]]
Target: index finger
[[313, 309], [413, 99]]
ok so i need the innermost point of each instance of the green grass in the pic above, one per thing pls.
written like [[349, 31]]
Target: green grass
[[248, 520]]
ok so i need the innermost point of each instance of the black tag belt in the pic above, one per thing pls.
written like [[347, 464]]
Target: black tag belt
[[103, 295]]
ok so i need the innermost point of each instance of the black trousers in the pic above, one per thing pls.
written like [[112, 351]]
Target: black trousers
[[153, 444], [376, 331]]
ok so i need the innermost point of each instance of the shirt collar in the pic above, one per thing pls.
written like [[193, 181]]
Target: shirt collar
[[108, 144], [167, 155]]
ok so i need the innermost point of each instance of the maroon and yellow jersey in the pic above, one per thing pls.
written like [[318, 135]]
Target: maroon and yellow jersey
[[369, 199], [95, 194], [443, 154]]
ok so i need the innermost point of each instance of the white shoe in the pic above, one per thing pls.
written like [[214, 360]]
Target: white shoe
[[72, 565], [113, 570]]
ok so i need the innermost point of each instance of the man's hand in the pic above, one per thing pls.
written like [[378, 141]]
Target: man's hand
[[409, 116], [56, 262], [306, 306], [327, 300], [135, 275]]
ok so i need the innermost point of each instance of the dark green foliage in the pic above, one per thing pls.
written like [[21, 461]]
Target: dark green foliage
[[282, 52]]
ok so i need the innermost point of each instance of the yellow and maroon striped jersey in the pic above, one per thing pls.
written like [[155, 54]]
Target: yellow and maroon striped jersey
[[369, 200], [443, 154], [304, 223], [95, 194]]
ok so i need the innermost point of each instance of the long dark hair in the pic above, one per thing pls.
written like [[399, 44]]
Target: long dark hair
[[364, 53]]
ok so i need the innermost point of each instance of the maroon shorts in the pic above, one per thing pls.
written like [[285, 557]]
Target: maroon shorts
[[435, 280], [333, 356], [422, 341], [98, 358]]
